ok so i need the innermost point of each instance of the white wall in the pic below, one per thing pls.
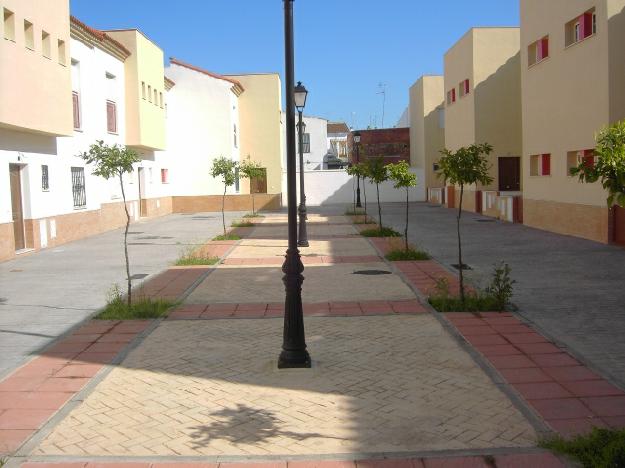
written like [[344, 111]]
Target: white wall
[[318, 130], [337, 187], [201, 114]]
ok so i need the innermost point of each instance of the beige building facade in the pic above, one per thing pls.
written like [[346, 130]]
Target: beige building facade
[[483, 105], [427, 130], [572, 69]]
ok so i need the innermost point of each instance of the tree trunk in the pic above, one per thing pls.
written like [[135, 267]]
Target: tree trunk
[[460, 264], [406, 229], [129, 293], [354, 196], [223, 209], [253, 204], [364, 192], [377, 187]]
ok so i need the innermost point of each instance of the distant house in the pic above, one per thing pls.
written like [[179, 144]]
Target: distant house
[[338, 133], [393, 144]]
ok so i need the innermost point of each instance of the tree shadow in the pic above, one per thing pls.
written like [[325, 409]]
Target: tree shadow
[[244, 425]]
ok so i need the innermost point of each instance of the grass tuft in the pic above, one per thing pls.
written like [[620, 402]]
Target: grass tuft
[[146, 308], [399, 255], [473, 303], [222, 237], [377, 232], [601, 448], [240, 224], [190, 260], [254, 215]]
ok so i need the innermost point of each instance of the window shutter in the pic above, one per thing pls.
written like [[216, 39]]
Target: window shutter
[[453, 95], [76, 106], [587, 22], [546, 164], [111, 117], [589, 158], [544, 43]]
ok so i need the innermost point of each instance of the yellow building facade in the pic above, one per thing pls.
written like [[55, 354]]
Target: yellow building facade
[[145, 91], [427, 129], [483, 105], [572, 69], [35, 73]]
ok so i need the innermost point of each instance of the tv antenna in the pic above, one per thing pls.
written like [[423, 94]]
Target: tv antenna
[[382, 91]]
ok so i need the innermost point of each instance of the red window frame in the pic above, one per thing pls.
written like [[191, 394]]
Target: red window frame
[[76, 110], [111, 117], [545, 164], [164, 176]]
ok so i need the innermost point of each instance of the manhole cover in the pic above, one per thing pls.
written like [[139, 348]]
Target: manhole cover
[[464, 266], [141, 243], [485, 220], [200, 218], [372, 272], [135, 232], [138, 276]]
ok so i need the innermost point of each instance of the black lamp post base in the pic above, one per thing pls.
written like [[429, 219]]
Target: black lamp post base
[[294, 359], [303, 243]]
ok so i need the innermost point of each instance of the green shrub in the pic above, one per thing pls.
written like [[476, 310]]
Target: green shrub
[[222, 237], [399, 255], [189, 260], [242, 224], [144, 308], [377, 232], [254, 215], [479, 301], [501, 285], [602, 448]]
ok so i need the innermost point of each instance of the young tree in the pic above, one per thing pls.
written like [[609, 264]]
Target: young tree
[[608, 164], [352, 171], [251, 170], [377, 173], [226, 169], [466, 166], [114, 161], [403, 178]]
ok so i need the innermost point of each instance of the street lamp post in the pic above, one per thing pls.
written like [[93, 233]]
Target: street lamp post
[[300, 102], [357, 145], [294, 354]]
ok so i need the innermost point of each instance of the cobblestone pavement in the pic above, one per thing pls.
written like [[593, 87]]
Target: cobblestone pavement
[[571, 289], [44, 294], [380, 384]]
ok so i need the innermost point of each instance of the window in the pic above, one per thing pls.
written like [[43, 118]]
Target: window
[[62, 53], [149, 93], [580, 28], [540, 165], [235, 136], [9, 25], [156, 97], [574, 158], [29, 35], [45, 183], [464, 88], [306, 143], [237, 180], [78, 187], [164, 176], [46, 49], [111, 117], [143, 89], [451, 96], [538, 51], [161, 99], [76, 105]]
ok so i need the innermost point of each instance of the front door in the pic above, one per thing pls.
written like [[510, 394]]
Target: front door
[[142, 206], [509, 174], [259, 184], [16, 206], [619, 225]]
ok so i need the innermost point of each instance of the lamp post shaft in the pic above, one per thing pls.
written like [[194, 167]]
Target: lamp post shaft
[[358, 204], [302, 240], [294, 352]]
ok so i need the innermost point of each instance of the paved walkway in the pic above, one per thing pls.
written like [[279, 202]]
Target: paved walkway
[[45, 294], [390, 379], [571, 289]]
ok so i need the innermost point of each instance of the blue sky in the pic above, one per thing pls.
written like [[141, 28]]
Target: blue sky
[[344, 48]]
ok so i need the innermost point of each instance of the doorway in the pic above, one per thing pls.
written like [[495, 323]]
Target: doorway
[[509, 174], [15, 172], [259, 184], [142, 207]]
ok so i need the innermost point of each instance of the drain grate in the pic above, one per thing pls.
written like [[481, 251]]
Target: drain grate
[[135, 232], [372, 272], [464, 266], [485, 220], [141, 243], [138, 276]]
